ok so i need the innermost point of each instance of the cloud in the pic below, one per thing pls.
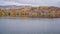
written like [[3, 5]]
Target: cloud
[[31, 2], [3, 3], [8, 3], [40, 2]]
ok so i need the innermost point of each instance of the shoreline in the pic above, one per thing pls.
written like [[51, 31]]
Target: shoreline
[[26, 18]]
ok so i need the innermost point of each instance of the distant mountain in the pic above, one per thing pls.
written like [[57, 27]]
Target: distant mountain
[[13, 7]]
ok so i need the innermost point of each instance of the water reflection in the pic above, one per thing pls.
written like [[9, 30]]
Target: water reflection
[[30, 26]]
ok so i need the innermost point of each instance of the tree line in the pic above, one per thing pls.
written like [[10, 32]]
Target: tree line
[[31, 12]]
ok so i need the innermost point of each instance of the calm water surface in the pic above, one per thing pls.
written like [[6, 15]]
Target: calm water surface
[[30, 26]]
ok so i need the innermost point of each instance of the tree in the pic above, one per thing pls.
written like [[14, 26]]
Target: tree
[[1, 13], [13, 13]]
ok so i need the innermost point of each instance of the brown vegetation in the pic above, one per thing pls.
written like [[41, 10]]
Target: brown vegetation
[[45, 12]]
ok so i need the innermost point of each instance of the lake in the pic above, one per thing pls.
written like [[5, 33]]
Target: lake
[[30, 26]]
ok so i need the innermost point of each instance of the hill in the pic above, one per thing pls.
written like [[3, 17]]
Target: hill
[[29, 11]]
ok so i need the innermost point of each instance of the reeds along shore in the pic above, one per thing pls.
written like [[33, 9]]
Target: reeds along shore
[[43, 12]]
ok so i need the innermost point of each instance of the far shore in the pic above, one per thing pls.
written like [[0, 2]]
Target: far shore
[[25, 18]]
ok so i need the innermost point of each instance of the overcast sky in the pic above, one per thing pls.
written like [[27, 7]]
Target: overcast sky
[[31, 2]]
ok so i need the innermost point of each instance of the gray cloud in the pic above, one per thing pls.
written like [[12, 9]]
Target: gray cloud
[[36, 2]]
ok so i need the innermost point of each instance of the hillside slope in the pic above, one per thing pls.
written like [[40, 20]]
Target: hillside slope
[[28, 11]]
